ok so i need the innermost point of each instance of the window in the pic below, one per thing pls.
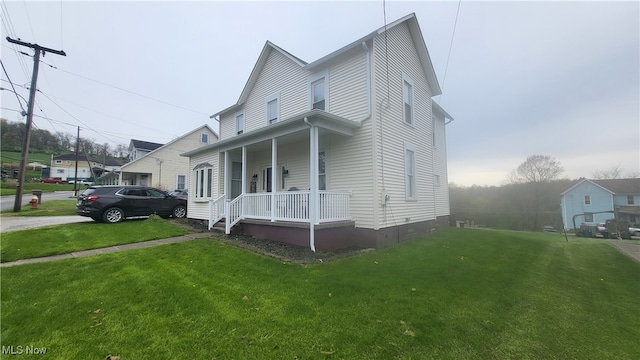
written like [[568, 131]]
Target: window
[[203, 175], [630, 200], [204, 138], [239, 123], [587, 199], [433, 131], [588, 217], [318, 91], [410, 171], [266, 179], [322, 171], [317, 94], [236, 179], [181, 184], [436, 180], [632, 219], [407, 99], [58, 161], [273, 109]]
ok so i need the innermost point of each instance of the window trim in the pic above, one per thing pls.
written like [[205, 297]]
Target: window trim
[[268, 100], [244, 120], [410, 187], [406, 79], [204, 136], [184, 183], [203, 179], [630, 200], [314, 79]]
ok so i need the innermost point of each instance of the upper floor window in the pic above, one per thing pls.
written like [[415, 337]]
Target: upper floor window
[[407, 99], [58, 161], [204, 138], [239, 123], [587, 199], [410, 172], [318, 91], [273, 108], [433, 131], [630, 200]]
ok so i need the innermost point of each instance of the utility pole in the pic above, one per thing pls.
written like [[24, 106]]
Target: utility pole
[[32, 97], [75, 183]]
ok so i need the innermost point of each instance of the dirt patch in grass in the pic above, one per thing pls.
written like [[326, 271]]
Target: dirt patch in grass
[[275, 249]]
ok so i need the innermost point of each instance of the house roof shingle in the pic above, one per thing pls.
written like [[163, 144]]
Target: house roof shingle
[[145, 145], [620, 186]]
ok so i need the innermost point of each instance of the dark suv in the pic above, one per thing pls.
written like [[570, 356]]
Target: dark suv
[[115, 203]]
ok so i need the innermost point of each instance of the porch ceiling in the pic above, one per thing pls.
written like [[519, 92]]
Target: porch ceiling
[[288, 130]]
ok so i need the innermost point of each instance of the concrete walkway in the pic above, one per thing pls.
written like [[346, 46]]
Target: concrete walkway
[[111, 249], [15, 223], [629, 247]]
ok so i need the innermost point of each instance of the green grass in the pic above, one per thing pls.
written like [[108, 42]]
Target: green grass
[[62, 239], [46, 208], [459, 294]]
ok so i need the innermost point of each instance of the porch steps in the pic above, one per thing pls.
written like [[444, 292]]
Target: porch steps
[[220, 226]]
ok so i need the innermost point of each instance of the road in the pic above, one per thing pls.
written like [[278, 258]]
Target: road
[[6, 202]]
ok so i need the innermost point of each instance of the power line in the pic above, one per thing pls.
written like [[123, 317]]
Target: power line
[[14, 89], [128, 91], [453, 34]]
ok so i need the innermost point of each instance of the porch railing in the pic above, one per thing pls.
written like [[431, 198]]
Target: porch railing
[[289, 206], [216, 211]]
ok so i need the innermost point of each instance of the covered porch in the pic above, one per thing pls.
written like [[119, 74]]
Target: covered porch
[[277, 175]]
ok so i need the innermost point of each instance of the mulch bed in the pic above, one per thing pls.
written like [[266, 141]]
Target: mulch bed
[[274, 249]]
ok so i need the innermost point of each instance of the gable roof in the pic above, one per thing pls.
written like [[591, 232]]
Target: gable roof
[[614, 186], [414, 30], [109, 161], [144, 145], [620, 186], [205, 126]]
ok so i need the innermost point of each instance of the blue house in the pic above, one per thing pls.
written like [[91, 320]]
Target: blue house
[[599, 200]]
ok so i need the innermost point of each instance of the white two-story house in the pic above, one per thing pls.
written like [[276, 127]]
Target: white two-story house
[[348, 150]]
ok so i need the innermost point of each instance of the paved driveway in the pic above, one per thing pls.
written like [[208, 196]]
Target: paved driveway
[[13, 223]]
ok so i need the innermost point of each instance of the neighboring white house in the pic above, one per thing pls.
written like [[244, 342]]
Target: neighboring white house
[[347, 150], [89, 167], [594, 201], [162, 166]]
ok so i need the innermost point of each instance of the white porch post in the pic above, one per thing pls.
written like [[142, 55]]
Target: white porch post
[[274, 176], [313, 184]]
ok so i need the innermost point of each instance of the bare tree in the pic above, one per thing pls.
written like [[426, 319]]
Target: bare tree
[[537, 169], [614, 172]]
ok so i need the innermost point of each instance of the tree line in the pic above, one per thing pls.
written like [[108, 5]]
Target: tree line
[[12, 135]]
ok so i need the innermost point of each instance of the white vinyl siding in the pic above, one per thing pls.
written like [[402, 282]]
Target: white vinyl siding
[[200, 209], [440, 166], [348, 87], [392, 132]]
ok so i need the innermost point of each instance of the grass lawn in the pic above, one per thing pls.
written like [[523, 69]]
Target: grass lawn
[[458, 294], [46, 208], [62, 239]]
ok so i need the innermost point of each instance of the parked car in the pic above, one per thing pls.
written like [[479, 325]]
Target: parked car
[[53, 180], [115, 203], [82, 182], [180, 194], [634, 230]]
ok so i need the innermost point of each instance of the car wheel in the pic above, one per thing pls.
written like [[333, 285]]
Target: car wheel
[[179, 211], [113, 215]]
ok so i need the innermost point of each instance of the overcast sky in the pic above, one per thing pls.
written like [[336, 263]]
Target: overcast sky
[[550, 78]]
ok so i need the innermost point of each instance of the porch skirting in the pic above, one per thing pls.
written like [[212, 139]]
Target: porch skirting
[[336, 235]]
